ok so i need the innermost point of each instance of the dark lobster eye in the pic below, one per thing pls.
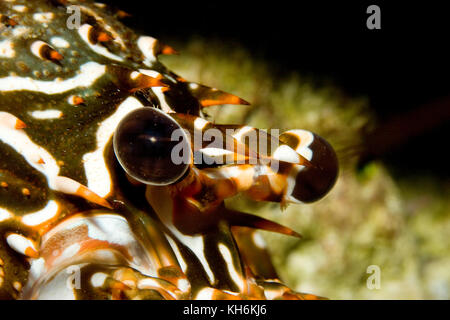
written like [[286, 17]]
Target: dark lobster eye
[[314, 182], [144, 146]]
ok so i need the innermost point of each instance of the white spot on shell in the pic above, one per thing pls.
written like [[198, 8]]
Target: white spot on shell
[[7, 49], [98, 279], [43, 17], [20, 31], [150, 73], [5, 214], [205, 294], [183, 285], [20, 8], [60, 42], [66, 185], [134, 75], [19, 243], [258, 240], [215, 152], [200, 123], [146, 44], [47, 114], [70, 251]]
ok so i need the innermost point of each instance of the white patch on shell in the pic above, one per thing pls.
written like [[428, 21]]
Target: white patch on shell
[[87, 75], [71, 100], [59, 42], [258, 240], [272, 294], [66, 185], [70, 251], [43, 17], [83, 31], [99, 179], [215, 152], [150, 73], [19, 243], [205, 294], [200, 123], [146, 45], [98, 279], [5, 215], [41, 216], [19, 31], [226, 254], [46, 114], [134, 75], [20, 8], [183, 285], [7, 49]]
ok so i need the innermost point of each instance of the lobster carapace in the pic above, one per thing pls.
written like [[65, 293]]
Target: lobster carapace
[[97, 198]]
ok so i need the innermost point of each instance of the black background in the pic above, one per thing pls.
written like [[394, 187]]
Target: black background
[[402, 68], [274, 309]]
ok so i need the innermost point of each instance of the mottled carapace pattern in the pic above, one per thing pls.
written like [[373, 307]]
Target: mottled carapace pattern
[[73, 224]]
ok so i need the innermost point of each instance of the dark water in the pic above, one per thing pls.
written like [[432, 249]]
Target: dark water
[[403, 68]]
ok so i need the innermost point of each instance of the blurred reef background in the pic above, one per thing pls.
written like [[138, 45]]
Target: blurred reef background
[[381, 98]]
